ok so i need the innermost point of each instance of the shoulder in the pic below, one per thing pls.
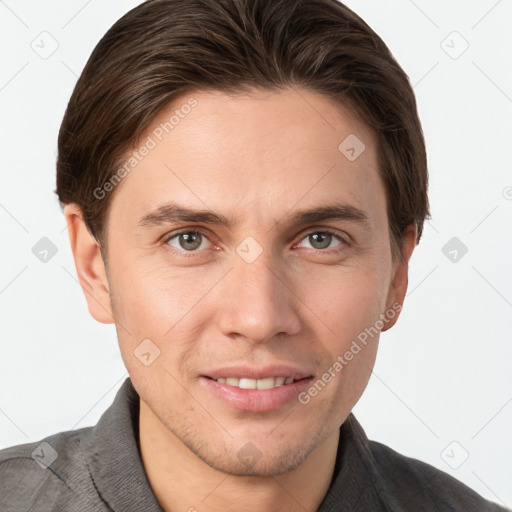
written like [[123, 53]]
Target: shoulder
[[51, 473], [415, 485]]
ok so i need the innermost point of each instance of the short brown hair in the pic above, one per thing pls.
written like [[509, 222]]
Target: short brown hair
[[165, 48]]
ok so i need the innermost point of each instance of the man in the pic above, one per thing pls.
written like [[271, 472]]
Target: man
[[244, 184]]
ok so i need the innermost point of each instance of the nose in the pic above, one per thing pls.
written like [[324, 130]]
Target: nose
[[257, 302]]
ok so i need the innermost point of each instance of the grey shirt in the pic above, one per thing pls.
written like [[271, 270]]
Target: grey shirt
[[99, 468]]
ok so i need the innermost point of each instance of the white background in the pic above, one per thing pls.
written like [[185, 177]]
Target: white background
[[442, 382]]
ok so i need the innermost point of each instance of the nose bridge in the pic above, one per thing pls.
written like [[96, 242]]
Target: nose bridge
[[258, 281], [258, 305]]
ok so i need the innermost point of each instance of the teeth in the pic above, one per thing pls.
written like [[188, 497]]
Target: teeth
[[266, 383], [247, 384]]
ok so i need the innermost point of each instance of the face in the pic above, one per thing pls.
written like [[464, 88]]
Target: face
[[252, 253]]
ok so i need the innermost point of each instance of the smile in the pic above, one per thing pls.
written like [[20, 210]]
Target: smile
[[247, 383]]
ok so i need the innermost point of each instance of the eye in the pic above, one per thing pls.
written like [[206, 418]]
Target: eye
[[188, 241], [320, 240]]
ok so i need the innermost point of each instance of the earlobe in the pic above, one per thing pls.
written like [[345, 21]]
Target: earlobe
[[89, 265], [400, 278]]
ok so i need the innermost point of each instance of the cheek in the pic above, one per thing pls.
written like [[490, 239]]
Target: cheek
[[144, 302], [154, 304], [348, 304], [157, 301], [347, 300]]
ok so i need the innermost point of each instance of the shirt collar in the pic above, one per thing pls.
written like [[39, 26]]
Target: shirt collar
[[353, 484], [113, 455]]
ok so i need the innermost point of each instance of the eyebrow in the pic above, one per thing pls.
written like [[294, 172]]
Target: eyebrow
[[171, 212]]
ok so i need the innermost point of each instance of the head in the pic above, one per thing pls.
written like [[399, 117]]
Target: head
[[244, 184]]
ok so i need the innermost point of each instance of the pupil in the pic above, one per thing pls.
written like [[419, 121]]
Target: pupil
[[190, 240], [320, 240]]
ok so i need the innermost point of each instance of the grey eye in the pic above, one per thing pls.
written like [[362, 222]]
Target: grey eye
[[320, 240], [190, 241]]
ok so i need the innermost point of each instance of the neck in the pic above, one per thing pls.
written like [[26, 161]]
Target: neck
[[181, 481]]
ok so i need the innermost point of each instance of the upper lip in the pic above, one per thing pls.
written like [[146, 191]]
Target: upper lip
[[253, 372]]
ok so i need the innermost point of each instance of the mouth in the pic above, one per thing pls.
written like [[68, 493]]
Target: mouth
[[252, 390], [261, 384]]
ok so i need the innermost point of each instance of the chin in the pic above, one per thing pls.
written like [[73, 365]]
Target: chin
[[250, 461]]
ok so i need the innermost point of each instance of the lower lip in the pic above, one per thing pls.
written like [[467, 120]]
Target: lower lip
[[256, 400]]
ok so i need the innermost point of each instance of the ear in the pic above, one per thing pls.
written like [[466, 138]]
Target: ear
[[89, 265], [400, 278]]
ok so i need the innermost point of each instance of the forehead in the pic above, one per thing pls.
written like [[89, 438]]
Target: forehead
[[255, 153]]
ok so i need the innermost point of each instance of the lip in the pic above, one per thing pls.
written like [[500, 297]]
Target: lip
[[256, 400], [250, 372]]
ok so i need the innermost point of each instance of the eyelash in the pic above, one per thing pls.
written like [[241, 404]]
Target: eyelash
[[192, 254]]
